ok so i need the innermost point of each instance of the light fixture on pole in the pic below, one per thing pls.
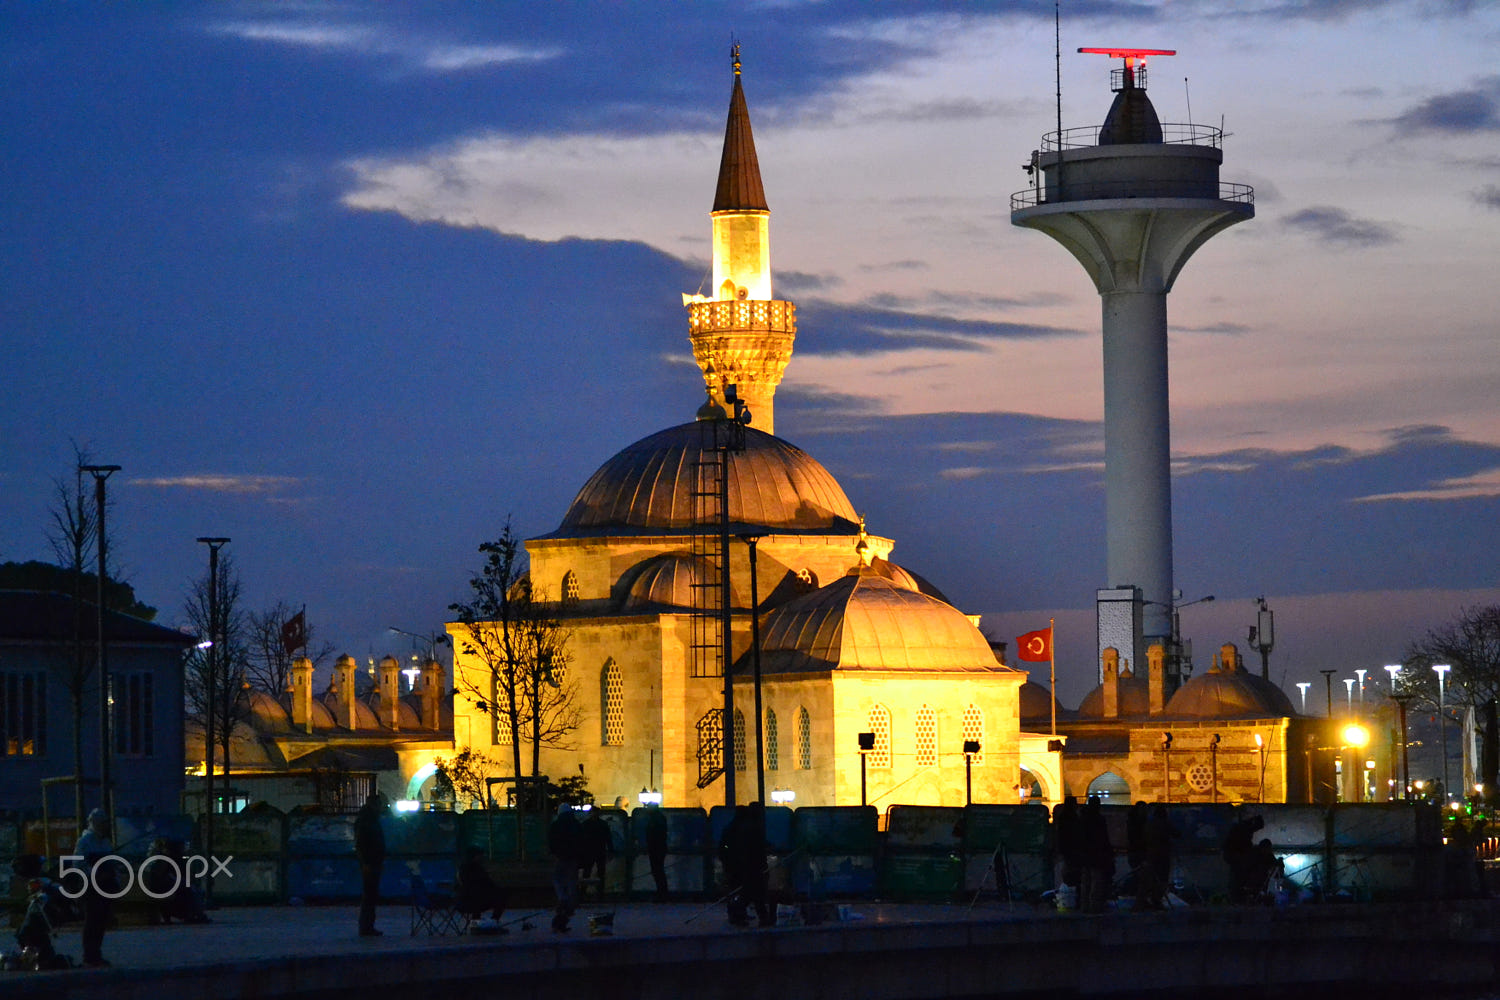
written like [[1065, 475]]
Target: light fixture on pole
[[1166, 767], [971, 747], [1394, 669], [1401, 700], [1328, 688], [1360, 673], [783, 796], [1349, 693], [1302, 686], [1441, 669], [866, 744], [1213, 756], [760, 740], [1260, 748], [106, 786], [1356, 738], [210, 704]]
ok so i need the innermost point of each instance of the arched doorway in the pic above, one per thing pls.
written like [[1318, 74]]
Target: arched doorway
[[1111, 788]]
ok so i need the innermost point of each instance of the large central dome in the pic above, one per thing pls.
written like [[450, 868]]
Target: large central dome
[[649, 487]]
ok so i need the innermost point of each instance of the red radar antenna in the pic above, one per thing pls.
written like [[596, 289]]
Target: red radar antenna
[[1128, 76]]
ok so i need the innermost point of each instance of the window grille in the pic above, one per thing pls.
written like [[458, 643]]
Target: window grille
[[570, 589], [974, 730], [926, 737], [740, 756], [773, 750], [804, 739], [612, 705], [880, 725]]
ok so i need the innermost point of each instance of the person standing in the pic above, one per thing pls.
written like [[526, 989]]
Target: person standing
[[1098, 857], [598, 845], [369, 847], [743, 852], [565, 841], [91, 847], [656, 849]]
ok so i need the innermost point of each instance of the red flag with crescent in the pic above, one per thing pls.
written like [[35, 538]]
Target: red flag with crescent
[[1035, 646], [294, 633]]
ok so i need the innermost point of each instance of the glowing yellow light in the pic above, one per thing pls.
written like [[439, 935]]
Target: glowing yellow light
[[1356, 735]]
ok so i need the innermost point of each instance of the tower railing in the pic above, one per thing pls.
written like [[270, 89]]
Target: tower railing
[[1172, 133], [773, 315], [1033, 196]]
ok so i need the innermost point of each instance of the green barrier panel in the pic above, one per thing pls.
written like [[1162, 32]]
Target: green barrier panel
[[836, 830], [315, 834], [260, 831], [921, 876], [421, 833], [687, 835], [494, 832], [924, 827], [1022, 829]]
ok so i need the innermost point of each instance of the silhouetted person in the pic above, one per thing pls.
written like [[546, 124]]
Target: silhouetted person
[[173, 898], [476, 891], [1159, 834], [1135, 852], [597, 846], [1069, 845], [565, 842], [1097, 857], [93, 845], [1239, 855], [369, 848], [743, 853], [656, 849]]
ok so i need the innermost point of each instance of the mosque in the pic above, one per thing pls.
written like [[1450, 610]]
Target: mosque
[[853, 648]]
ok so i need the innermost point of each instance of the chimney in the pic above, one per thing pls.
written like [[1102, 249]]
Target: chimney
[[390, 693], [432, 695], [302, 675], [1156, 678], [1111, 657], [1229, 654], [343, 685]]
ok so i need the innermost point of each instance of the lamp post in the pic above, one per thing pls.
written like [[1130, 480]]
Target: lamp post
[[1166, 767], [1302, 686], [1349, 693], [1401, 700], [1394, 669], [215, 640], [106, 786], [1328, 685], [1360, 673], [1213, 757], [1441, 669], [866, 744], [1260, 748], [1355, 737], [971, 747], [760, 742]]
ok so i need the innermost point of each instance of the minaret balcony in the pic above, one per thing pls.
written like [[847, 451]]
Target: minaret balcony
[[728, 316]]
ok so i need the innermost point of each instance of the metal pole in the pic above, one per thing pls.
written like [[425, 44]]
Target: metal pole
[[760, 749], [1401, 700], [1213, 757], [1441, 669], [214, 639], [863, 796], [106, 784], [1328, 683], [968, 779], [728, 429]]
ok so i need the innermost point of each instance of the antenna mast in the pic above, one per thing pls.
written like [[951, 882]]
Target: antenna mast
[[1057, 62]]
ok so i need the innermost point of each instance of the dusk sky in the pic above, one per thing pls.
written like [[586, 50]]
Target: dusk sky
[[351, 283]]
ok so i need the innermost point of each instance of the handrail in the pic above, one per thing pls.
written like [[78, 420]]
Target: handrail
[[1172, 133], [1031, 197]]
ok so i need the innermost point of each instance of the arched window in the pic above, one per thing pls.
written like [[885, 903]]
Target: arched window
[[611, 705], [926, 738], [570, 589], [880, 725], [804, 739], [974, 730], [739, 741], [499, 721], [773, 748]]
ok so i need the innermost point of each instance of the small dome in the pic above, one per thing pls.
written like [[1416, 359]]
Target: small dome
[[864, 621], [903, 577], [267, 714], [1134, 698], [649, 487], [364, 716], [1036, 703], [663, 581], [1229, 694]]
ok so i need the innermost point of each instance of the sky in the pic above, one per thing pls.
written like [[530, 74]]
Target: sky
[[353, 283]]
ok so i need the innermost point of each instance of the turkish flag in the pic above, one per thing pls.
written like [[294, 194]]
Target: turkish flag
[[294, 633], [1035, 646]]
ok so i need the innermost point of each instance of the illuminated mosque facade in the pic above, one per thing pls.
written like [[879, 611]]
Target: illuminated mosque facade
[[850, 642]]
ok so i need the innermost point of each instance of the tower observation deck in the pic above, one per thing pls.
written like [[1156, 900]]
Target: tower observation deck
[[1131, 200]]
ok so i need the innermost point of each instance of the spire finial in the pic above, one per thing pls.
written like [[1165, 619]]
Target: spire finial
[[734, 56]]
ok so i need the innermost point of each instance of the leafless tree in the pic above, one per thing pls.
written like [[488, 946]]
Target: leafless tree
[[223, 622], [270, 661], [72, 537], [522, 647]]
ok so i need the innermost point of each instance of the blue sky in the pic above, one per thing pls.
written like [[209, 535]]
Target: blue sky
[[352, 282]]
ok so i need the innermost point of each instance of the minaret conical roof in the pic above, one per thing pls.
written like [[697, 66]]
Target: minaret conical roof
[[739, 170]]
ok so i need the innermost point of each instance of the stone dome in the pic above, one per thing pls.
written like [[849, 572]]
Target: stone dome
[[364, 715], [1229, 694], [648, 488], [1036, 703], [663, 581], [1134, 698], [866, 622]]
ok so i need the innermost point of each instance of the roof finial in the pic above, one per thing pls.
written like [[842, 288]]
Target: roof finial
[[734, 55]]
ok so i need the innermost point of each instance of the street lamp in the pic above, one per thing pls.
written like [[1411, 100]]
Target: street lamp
[[760, 747], [1328, 688], [215, 640], [1357, 737], [1166, 767], [1360, 673], [971, 747], [106, 788], [1441, 669], [1393, 669], [1302, 686], [1260, 748], [866, 744], [1213, 756], [1349, 693], [1401, 700], [1178, 648]]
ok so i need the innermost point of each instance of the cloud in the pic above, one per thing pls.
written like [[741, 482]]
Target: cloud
[[1479, 485], [1334, 225], [966, 472], [241, 485], [415, 53], [1226, 327], [875, 327], [1489, 196], [1460, 112]]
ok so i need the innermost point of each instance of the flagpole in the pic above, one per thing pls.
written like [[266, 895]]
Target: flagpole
[[1052, 669]]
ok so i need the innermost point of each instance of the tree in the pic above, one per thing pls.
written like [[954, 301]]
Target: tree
[[222, 622], [269, 667], [1470, 644], [463, 775], [521, 647]]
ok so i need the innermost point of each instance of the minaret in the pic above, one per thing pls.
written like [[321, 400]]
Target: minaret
[[1132, 202], [740, 335]]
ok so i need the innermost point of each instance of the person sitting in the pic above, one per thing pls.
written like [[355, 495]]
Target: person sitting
[[166, 879], [476, 890]]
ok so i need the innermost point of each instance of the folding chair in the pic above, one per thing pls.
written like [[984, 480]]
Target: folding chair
[[434, 913]]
